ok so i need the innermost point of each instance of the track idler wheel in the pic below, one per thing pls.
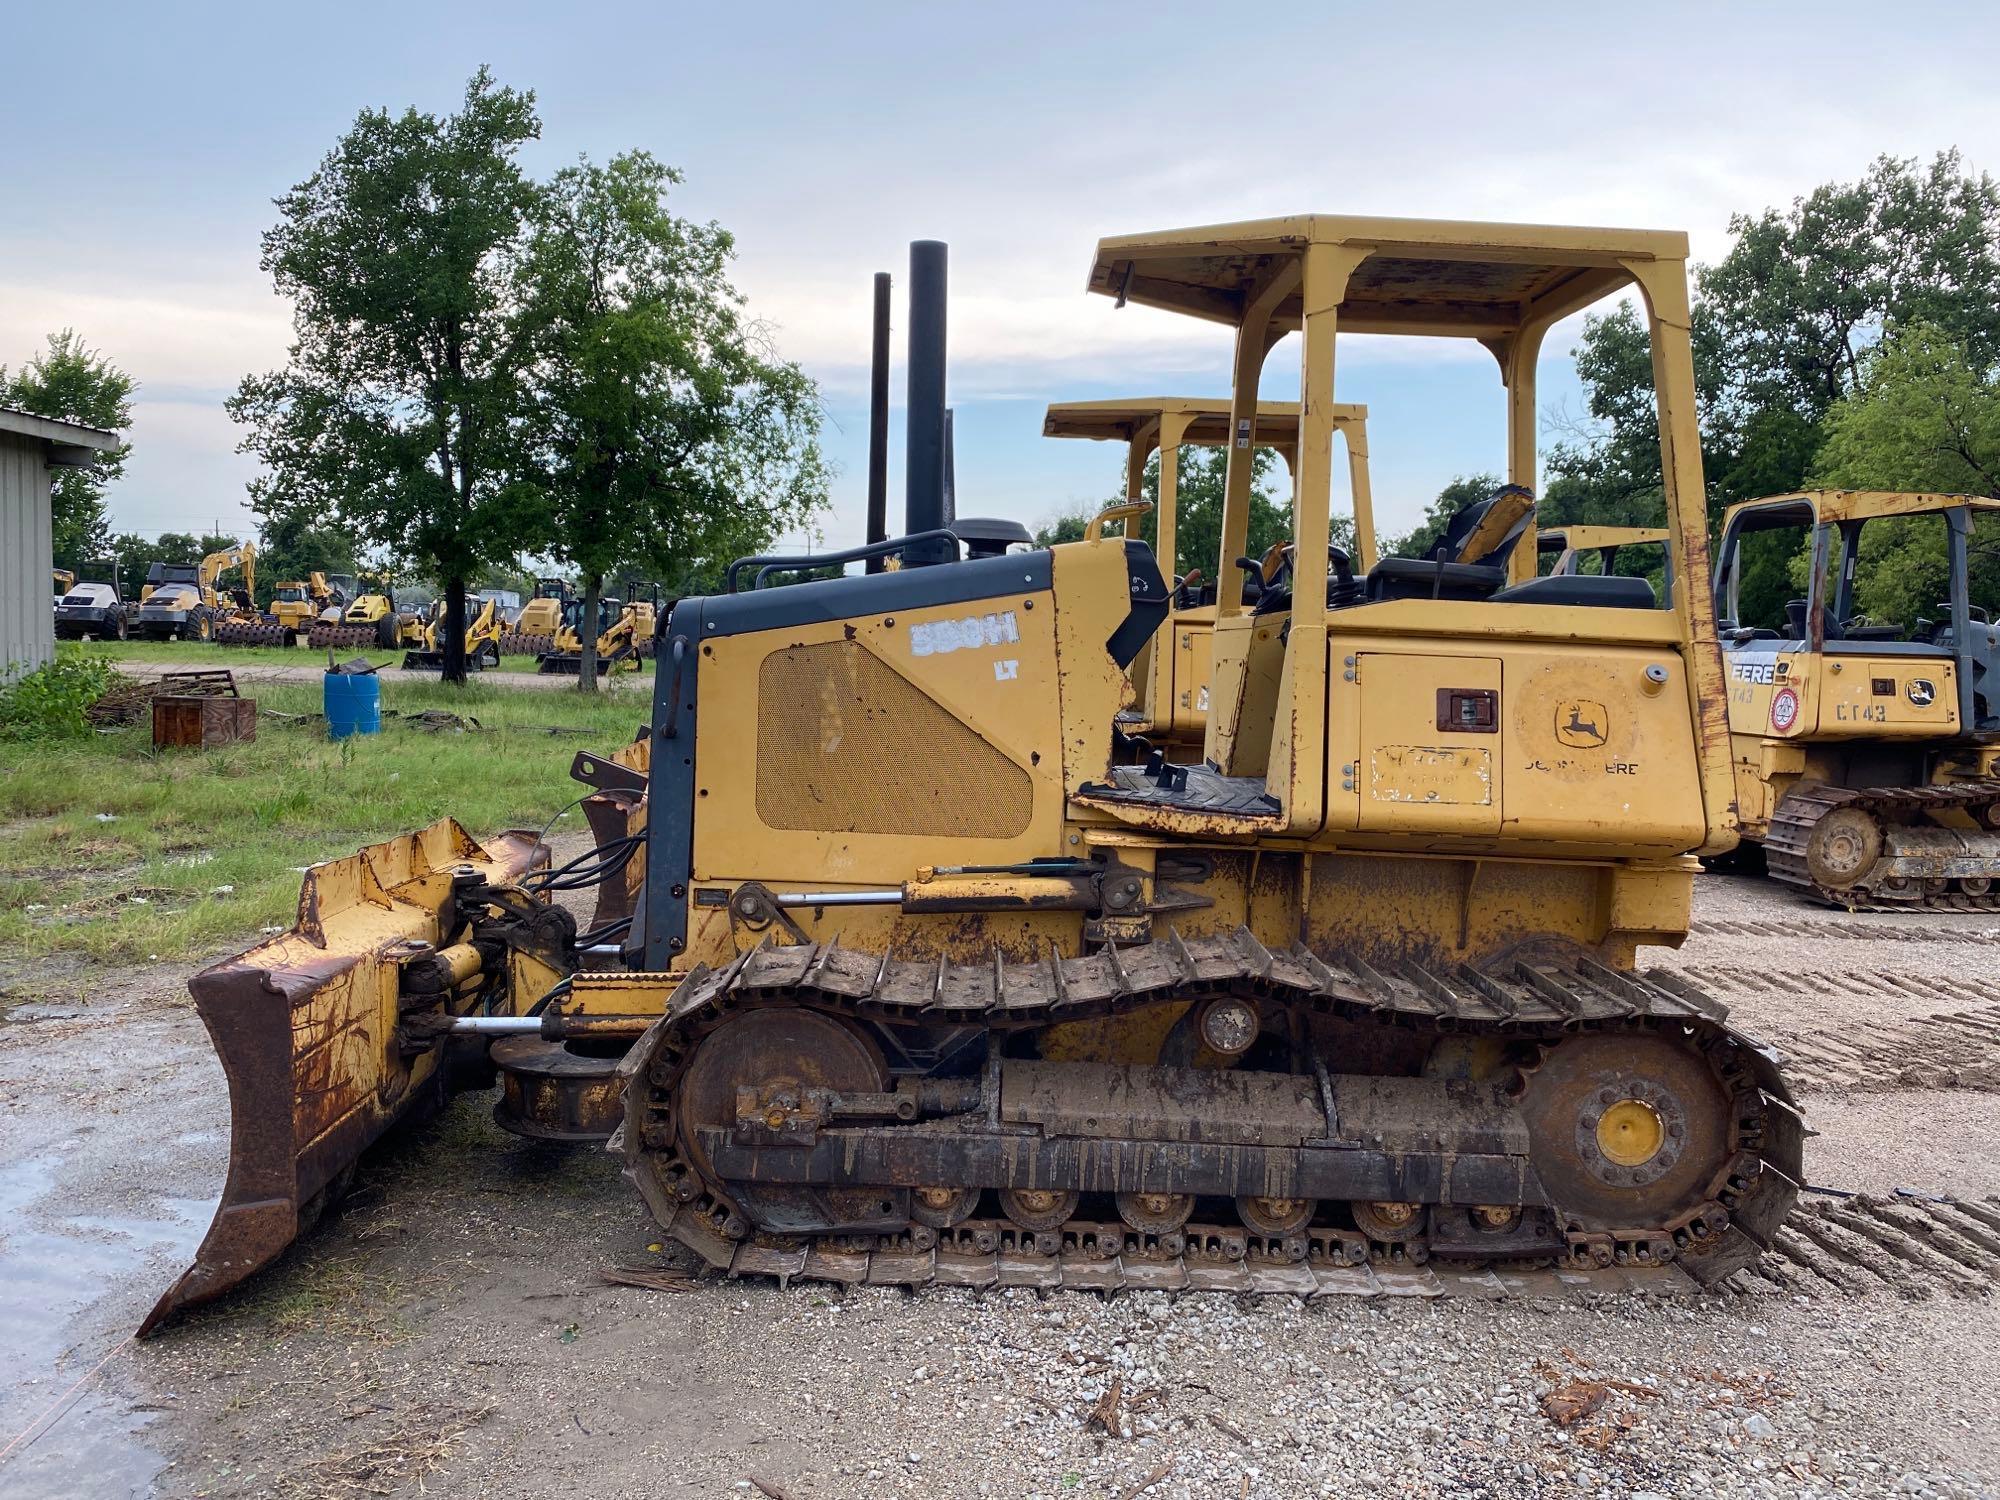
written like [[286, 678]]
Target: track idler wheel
[[1626, 1130], [1275, 1217]]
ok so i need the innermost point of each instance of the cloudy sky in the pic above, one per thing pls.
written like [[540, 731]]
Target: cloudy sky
[[145, 148]]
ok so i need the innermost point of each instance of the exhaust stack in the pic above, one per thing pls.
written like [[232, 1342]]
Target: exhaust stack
[[878, 424], [924, 480]]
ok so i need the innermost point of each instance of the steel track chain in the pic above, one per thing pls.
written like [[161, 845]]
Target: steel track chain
[[1800, 809], [1531, 999]]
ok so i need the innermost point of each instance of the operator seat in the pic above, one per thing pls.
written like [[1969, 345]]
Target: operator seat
[[1470, 561]]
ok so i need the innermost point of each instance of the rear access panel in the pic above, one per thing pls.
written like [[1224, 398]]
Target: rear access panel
[[1429, 757]]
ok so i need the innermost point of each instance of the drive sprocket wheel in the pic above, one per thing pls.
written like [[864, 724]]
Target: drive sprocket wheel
[[1626, 1129]]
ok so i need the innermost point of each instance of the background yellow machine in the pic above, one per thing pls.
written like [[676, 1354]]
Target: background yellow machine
[[913, 983], [183, 603], [617, 640], [532, 631], [1171, 672], [482, 637], [370, 619], [1583, 550], [1865, 750]]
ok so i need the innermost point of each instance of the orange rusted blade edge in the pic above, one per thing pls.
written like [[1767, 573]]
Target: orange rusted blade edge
[[305, 1026]]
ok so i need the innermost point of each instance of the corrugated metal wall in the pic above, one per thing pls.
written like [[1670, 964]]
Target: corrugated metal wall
[[27, 622]]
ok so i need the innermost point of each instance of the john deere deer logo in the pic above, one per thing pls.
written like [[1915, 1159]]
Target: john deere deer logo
[[1581, 723]]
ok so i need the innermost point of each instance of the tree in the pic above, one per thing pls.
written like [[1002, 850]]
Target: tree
[[1781, 327], [290, 547], [72, 382], [1198, 497], [1926, 416], [661, 434], [392, 414]]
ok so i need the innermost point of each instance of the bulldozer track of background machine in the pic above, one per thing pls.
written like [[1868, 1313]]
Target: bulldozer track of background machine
[[1533, 1002], [1787, 845]]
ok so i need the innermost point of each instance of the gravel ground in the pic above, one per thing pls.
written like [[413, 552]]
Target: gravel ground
[[449, 1333]]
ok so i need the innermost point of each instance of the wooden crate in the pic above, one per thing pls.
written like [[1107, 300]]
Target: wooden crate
[[204, 722]]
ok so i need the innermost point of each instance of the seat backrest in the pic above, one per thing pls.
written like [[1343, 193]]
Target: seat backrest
[[1489, 530]]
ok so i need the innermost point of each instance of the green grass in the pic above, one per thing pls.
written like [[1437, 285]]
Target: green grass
[[208, 654], [111, 848]]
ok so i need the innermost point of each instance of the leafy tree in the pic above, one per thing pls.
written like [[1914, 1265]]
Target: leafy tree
[[661, 435], [1926, 417], [392, 414], [1198, 498], [1782, 325], [72, 382], [290, 546]]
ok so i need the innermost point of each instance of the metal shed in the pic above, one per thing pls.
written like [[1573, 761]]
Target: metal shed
[[30, 446]]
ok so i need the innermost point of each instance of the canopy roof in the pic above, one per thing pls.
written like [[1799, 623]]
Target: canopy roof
[[1848, 505], [1127, 417], [1424, 276]]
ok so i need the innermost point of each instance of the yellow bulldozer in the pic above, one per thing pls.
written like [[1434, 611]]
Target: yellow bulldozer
[[1867, 752], [897, 975], [1172, 670]]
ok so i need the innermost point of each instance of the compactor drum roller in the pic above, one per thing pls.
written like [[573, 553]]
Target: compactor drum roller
[[902, 971]]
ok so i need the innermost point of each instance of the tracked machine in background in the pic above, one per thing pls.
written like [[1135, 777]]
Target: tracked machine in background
[[897, 975], [1867, 752], [1170, 674]]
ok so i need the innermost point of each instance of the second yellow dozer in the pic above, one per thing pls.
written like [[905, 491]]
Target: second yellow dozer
[[1171, 673], [897, 976], [1867, 752]]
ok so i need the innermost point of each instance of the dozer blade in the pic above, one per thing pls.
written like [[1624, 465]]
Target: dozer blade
[[305, 1025], [568, 664]]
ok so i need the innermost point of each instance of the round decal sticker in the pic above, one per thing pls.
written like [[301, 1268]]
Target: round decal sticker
[[1784, 710]]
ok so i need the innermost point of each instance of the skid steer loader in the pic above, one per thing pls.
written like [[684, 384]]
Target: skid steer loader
[[482, 638], [1171, 672], [1867, 753], [898, 977], [617, 640]]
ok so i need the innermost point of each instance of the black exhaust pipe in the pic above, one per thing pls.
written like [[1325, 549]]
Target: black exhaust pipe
[[924, 478], [878, 424]]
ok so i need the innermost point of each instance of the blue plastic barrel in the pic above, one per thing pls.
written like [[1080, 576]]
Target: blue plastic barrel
[[353, 704]]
